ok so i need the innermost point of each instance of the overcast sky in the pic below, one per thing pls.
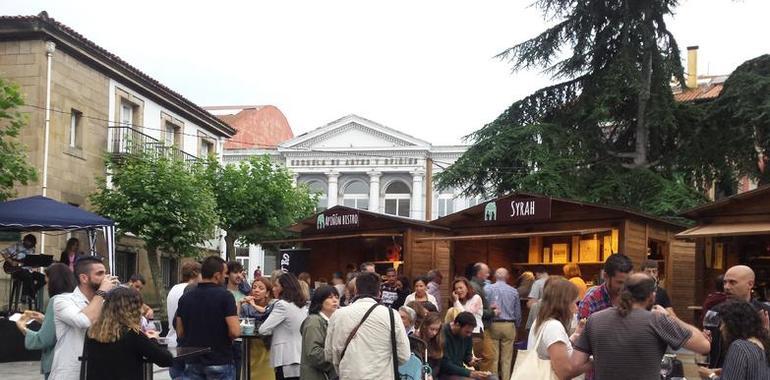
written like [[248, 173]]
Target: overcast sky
[[422, 67]]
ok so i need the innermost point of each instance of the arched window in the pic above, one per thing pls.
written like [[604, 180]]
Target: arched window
[[318, 187], [398, 199], [356, 195]]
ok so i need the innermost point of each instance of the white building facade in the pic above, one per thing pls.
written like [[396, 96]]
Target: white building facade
[[359, 163]]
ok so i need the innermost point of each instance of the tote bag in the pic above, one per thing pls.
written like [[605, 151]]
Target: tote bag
[[530, 367]]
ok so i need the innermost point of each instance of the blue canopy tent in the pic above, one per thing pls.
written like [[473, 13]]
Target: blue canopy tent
[[39, 213]]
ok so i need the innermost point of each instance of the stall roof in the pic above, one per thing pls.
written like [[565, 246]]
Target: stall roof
[[726, 229], [39, 213], [476, 212], [731, 205], [367, 221]]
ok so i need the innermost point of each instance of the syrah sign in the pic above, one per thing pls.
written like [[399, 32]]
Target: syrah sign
[[517, 210], [328, 221]]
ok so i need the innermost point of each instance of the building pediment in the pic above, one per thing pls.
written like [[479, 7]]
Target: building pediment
[[354, 131]]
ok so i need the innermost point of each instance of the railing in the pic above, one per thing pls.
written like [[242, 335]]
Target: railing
[[127, 140]]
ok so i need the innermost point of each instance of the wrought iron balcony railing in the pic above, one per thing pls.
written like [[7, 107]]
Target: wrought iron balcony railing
[[127, 140]]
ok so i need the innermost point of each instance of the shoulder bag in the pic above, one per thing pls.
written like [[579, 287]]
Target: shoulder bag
[[355, 330], [529, 366]]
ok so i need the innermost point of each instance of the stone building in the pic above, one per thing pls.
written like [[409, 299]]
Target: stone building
[[98, 103]]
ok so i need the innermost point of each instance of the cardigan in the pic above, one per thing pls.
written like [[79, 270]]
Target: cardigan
[[44, 339]]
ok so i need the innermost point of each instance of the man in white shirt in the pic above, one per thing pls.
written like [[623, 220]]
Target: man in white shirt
[[191, 274], [369, 352], [75, 312]]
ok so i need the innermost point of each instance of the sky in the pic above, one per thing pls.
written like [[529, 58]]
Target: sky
[[426, 68]]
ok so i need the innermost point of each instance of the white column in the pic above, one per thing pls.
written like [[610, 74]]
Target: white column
[[294, 178], [417, 210], [256, 259], [374, 191], [332, 192]]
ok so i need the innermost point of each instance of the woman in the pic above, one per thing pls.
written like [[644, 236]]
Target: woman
[[402, 286], [307, 287], [257, 305], [408, 317], [70, 253], [748, 353], [430, 333], [524, 284], [421, 295], [115, 346], [349, 294], [60, 280], [421, 313], [554, 318], [465, 299], [283, 323], [572, 272], [314, 366]]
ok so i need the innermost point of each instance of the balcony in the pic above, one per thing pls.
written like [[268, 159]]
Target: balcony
[[126, 140]]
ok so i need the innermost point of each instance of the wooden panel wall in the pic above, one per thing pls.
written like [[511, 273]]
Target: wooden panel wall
[[635, 242], [681, 278]]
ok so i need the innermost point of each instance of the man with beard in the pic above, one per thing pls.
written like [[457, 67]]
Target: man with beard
[[628, 340], [75, 312]]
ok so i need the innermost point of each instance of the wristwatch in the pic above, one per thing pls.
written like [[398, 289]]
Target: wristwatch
[[713, 375], [101, 293]]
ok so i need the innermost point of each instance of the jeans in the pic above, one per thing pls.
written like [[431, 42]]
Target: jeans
[[211, 372], [176, 371]]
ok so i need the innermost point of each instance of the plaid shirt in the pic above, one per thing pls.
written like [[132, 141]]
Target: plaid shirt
[[596, 299]]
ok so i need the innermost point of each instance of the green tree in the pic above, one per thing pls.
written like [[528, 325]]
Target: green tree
[[14, 167], [612, 118], [161, 200], [256, 200]]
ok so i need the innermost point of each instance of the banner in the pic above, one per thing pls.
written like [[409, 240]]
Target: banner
[[294, 261]]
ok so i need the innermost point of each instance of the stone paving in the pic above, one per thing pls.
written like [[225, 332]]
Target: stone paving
[[31, 371]]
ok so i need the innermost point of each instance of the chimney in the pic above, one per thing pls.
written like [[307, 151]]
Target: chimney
[[692, 67]]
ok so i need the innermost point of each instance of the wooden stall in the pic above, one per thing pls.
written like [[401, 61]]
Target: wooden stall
[[729, 232], [521, 230], [341, 235]]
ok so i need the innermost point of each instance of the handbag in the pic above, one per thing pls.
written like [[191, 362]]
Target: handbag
[[529, 366]]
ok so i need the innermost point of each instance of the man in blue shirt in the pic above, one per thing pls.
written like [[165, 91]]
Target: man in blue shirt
[[504, 299]]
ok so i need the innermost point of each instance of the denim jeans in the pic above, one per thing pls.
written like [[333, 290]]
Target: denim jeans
[[176, 371], [211, 372]]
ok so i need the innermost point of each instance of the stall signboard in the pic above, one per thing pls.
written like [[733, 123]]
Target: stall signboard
[[517, 210], [337, 220], [294, 261]]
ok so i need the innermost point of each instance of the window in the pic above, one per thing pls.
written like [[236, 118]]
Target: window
[[318, 188], [172, 134], [125, 265], [397, 199], [474, 201], [168, 272], [356, 195], [75, 137], [445, 204], [205, 146], [126, 114]]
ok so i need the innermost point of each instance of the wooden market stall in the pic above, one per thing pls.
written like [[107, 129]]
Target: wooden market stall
[[735, 230], [342, 235], [521, 230]]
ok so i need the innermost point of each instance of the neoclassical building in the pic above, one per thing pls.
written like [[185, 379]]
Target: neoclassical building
[[359, 163]]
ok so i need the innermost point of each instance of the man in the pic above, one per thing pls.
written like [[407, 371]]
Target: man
[[31, 281], [191, 272], [207, 317], [505, 299], [616, 270], [367, 267], [535, 294], [434, 286], [650, 267], [234, 280], [75, 312], [738, 282], [138, 282], [361, 348], [628, 341], [482, 345], [389, 290], [458, 349]]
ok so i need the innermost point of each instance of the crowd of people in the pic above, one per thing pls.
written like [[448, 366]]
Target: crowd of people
[[363, 325]]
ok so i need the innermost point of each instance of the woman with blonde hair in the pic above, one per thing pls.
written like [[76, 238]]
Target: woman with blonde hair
[[431, 334], [115, 347], [257, 305], [548, 336], [572, 272]]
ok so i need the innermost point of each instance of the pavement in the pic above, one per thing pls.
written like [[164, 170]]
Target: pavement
[[31, 371]]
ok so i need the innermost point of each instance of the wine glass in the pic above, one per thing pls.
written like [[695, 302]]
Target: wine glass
[[156, 325], [666, 365]]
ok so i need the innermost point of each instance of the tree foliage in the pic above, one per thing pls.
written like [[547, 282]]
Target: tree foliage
[[256, 200], [609, 132], [14, 166], [160, 200]]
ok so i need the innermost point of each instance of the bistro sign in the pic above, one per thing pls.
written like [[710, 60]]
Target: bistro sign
[[336, 220], [520, 209]]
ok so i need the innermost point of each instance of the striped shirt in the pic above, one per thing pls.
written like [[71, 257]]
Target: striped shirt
[[630, 347], [745, 361]]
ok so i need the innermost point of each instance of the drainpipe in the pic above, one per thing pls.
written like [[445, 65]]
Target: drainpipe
[[50, 47]]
